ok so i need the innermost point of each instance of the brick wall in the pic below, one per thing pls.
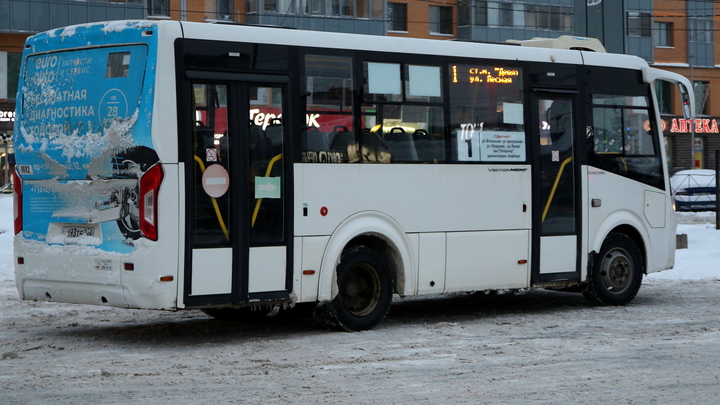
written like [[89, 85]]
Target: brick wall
[[12, 42], [418, 19]]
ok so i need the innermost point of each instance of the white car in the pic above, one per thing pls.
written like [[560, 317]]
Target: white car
[[694, 190]]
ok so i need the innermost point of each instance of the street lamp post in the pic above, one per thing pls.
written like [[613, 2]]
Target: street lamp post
[[692, 84]]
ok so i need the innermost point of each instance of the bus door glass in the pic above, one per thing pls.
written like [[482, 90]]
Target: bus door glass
[[558, 209], [237, 204]]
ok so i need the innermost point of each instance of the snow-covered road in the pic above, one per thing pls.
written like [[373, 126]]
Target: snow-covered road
[[541, 347]]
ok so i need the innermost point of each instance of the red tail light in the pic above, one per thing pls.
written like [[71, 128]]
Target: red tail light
[[149, 191], [17, 202]]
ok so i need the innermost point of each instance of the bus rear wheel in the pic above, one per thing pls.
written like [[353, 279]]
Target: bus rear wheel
[[364, 295], [617, 272]]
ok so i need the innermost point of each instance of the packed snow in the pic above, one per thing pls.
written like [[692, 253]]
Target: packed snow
[[541, 347]]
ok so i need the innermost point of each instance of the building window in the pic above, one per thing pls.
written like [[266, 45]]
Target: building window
[[532, 16], [501, 14], [662, 33], [224, 9], [481, 13], [702, 91], [279, 6], [463, 13], [397, 16], [343, 7], [560, 18], [556, 18], [506, 15], [316, 7], [441, 20], [701, 30], [158, 7], [638, 24], [9, 74], [700, 41], [368, 9]]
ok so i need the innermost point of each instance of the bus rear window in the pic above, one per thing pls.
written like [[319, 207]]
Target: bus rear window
[[118, 65]]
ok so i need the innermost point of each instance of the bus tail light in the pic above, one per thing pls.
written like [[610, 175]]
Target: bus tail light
[[149, 190], [17, 202]]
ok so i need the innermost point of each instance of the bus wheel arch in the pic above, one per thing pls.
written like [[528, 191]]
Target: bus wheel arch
[[632, 233], [615, 272], [372, 237], [364, 283]]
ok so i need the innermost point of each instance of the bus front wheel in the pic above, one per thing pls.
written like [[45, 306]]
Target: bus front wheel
[[617, 272], [364, 295]]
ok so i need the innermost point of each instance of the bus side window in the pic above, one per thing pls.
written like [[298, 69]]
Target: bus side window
[[486, 103], [374, 149], [261, 148], [274, 133], [314, 140], [329, 118], [343, 142], [429, 149], [621, 143], [401, 145]]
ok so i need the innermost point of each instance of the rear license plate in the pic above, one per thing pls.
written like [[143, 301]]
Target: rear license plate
[[78, 231]]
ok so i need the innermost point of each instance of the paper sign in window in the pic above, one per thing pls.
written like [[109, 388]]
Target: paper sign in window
[[384, 78], [513, 113], [424, 81]]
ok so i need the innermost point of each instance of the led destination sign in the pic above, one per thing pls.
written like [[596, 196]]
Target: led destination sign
[[483, 74]]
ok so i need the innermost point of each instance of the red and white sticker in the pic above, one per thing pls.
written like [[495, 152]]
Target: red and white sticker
[[211, 155], [215, 181]]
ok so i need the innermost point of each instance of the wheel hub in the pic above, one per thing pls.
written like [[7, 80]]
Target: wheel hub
[[617, 270], [361, 290]]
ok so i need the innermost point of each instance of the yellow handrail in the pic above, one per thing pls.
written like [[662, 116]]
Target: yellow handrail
[[259, 201], [214, 202], [554, 188]]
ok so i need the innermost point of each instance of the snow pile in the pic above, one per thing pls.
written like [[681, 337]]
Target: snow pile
[[6, 238], [701, 261]]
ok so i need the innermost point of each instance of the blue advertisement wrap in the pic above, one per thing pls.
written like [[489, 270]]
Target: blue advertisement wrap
[[83, 132]]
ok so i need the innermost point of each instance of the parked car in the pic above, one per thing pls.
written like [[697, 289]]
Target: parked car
[[694, 190]]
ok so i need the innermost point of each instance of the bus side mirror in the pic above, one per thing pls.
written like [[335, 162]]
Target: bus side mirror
[[685, 98]]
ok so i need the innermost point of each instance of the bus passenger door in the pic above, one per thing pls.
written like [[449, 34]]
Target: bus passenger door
[[556, 190], [237, 233]]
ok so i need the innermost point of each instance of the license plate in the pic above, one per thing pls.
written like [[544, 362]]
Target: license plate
[[78, 231]]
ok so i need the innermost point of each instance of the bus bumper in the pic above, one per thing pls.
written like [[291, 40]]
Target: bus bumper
[[59, 276]]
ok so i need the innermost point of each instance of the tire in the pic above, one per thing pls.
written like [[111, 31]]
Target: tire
[[616, 273], [365, 289], [245, 314]]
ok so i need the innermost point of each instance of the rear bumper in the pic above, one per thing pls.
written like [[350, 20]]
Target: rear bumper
[[86, 275]]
